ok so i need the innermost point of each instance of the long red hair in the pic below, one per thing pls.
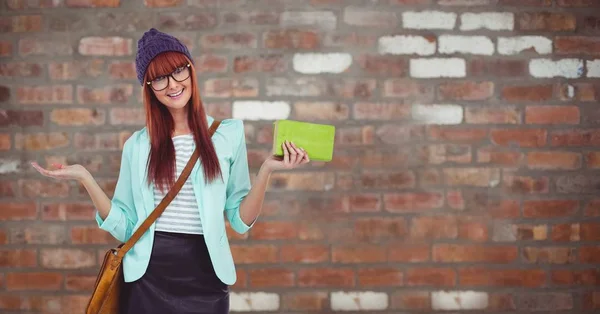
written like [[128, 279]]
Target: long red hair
[[160, 125]]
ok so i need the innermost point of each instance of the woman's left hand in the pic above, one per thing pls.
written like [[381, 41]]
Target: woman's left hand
[[292, 157]]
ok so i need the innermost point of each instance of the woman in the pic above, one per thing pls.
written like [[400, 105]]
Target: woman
[[183, 263]]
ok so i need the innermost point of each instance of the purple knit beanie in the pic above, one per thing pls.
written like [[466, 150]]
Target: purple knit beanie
[[153, 43]]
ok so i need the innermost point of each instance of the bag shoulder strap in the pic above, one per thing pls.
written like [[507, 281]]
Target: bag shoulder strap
[[168, 198]]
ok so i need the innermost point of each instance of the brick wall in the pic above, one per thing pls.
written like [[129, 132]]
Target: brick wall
[[466, 166]]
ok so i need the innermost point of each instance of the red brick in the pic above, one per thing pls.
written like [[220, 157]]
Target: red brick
[[122, 70], [379, 228], [525, 184], [271, 63], [474, 253], [5, 142], [523, 93], [473, 229], [45, 188], [590, 231], [34, 281], [18, 211], [546, 302], [587, 277], [72, 70], [358, 254], [258, 253], [434, 227], [486, 277], [114, 94], [457, 135], [526, 3], [576, 137], [565, 232], [393, 134], [233, 41], [577, 3], [402, 179], [304, 301], [552, 255], [411, 300], [6, 49], [127, 116], [22, 118], [577, 45], [521, 137], [226, 88], [381, 111], [78, 117], [271, 277], [21, 23], [589, 254], [479, 67], [553, 160], [489, 115], [75, 282], [480, 177], [592, 160], [409, 202], [438, 277], [304, 253], [466, 90], [549, 208], [21, 69], [39, 234], [552, 115], [90, 235], [592, 208], [251, 18], [408, 253], [67, 258], [365, 203], [499, 156], [210, 63], [326, 277], [292, 39], [581, 91], [45, 95], [162, 3], [504, 209], [380, 277], [93, 3], [68, 211], [409, 90], [382, 65], [18, 258], [275, 230], [186, 21], [591, 24], [545, 21], [591, 300]]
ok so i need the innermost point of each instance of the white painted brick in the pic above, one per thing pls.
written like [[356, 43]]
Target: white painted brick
[[593, 68], [568, 68], [459, 300], [402, 44], [359, 301], [253, 301], [437, 114], [516, 45], [315, 63], [9, 166], [324, 20], [438, 67], [477, 45], [429, 20], [261, 110], [495, 21]]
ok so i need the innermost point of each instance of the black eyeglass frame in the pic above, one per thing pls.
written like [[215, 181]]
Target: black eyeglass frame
[[170, 76]]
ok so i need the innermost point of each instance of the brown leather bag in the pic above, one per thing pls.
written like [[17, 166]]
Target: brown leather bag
[[107, 289]]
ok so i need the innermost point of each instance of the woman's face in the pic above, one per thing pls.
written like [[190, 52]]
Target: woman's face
[[174, 90]]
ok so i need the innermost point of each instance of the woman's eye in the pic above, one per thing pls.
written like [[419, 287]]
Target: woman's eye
[[178, 70], [158, 79]]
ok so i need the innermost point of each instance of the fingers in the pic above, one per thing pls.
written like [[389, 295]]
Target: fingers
[[45, 172], [286, 154]]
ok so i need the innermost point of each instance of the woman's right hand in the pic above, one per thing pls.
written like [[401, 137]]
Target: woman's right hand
[[72, 172]]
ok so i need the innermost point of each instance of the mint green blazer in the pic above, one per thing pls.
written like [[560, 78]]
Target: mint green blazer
[[133, 200]]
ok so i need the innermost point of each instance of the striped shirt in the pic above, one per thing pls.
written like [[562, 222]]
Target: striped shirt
[[182, 214]]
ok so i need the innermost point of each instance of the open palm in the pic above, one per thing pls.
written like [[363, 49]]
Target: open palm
[[71, 172]]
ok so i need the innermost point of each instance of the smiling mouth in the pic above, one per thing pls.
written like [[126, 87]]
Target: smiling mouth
[[176, 94]]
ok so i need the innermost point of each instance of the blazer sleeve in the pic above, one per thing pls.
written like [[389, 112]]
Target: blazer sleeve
[[122, 216], [239, 184]]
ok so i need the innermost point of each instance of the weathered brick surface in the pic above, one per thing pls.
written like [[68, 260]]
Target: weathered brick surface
[[465, 176]]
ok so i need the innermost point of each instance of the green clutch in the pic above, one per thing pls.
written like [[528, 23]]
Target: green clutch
[[316, 139]]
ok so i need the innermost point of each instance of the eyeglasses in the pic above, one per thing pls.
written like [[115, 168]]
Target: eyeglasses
[[180, 74]]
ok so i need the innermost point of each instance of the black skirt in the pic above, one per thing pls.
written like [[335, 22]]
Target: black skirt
[[180, 279]]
